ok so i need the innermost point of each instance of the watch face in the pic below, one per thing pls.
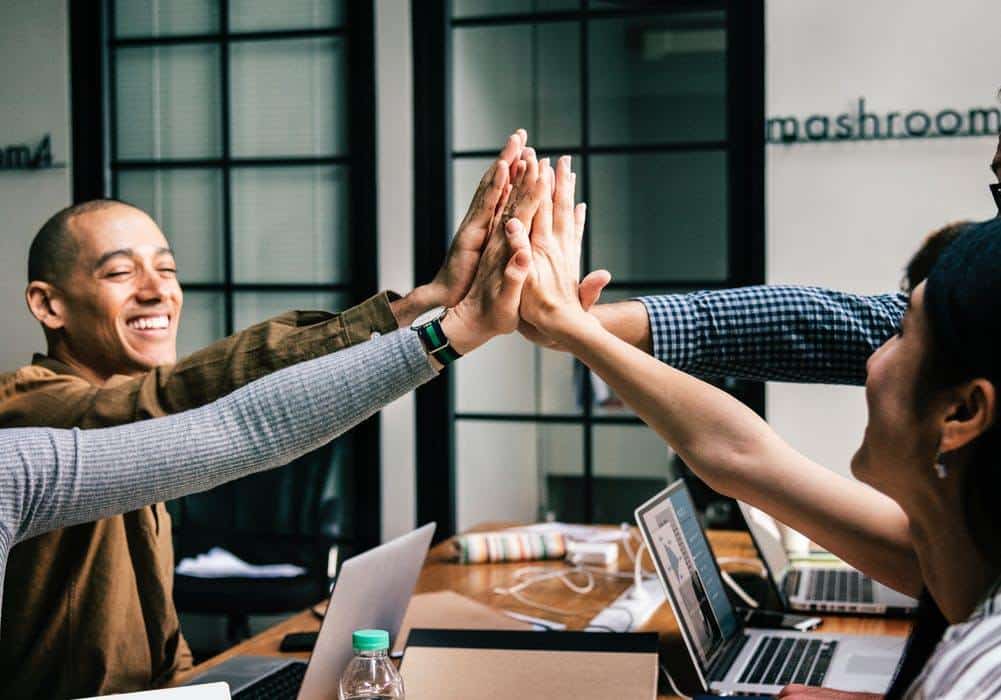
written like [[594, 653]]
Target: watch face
[[428, 316]]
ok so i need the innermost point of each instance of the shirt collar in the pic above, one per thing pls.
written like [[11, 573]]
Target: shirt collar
[[991, 603], [53, 365]]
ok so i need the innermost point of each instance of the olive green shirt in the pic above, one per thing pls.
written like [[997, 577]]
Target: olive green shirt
[[95, 612]]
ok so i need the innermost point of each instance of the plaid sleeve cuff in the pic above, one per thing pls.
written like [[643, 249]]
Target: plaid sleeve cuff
[[673, 328]]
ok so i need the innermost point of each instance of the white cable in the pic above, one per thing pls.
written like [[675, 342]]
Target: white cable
[[747, 561], [741, 593], [639, 592], [674, 688], [538, 574], [736, 587]]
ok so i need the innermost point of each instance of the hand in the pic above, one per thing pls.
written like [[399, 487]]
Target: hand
[[454, 278], [805, 692], [590, 289], [551, 302], [491, 306]]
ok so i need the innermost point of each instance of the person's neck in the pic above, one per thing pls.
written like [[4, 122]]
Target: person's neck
[[85, 370], [956, 573]]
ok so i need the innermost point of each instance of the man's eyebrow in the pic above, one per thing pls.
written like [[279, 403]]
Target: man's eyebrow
[[128, 252]]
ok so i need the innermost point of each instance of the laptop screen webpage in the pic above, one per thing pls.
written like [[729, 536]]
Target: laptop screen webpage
[[686, 564]]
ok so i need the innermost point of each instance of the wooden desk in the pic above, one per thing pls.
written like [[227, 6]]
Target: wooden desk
[[478, 581]]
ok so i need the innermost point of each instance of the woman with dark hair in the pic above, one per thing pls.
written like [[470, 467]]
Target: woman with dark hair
[[926, 514]]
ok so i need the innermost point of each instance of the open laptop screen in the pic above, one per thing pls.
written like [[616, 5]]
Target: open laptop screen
[[686, 565], [767, 539]]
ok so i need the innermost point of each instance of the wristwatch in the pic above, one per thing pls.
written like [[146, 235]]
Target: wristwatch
[[428, 328]]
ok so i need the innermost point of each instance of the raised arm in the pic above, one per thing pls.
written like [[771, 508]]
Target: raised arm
[[57, 478], [767, 333], [722, 440]]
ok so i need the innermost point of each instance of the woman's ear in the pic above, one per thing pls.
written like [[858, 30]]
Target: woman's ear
[[970, 414], [46, 304]]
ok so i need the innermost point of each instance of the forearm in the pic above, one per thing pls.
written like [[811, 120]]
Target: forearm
[[738, 454], [769, 333], [263, 425], [628, 321]]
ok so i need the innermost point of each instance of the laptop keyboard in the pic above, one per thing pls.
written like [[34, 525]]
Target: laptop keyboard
[[785, 660], [281, 685], [840, 586]]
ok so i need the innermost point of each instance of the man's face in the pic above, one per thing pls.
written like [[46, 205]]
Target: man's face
[[122, 298]]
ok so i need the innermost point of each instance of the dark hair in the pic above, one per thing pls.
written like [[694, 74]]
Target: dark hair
[[54, 249], [963, 321], [931, 248]]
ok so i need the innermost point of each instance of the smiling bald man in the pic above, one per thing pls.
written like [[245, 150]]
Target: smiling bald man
[[95, 611]]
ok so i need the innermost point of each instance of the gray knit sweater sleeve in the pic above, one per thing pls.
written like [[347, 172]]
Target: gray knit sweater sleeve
[[57, 478]]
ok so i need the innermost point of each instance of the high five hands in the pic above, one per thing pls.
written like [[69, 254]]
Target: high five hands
[[527, 273]]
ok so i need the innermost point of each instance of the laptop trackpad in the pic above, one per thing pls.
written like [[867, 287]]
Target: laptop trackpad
[[870, 664]]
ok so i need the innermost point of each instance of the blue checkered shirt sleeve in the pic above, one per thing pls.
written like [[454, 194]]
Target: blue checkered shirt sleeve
[[773, 332]]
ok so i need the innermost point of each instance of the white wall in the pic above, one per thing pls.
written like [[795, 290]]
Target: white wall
[[394, 134], [34, 87], [849, 215]]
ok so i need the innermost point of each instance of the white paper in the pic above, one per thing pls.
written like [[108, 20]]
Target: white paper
[[220, 563]]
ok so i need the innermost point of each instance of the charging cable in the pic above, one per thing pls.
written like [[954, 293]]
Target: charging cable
[[736, 587], [530, 575], [674, 688]]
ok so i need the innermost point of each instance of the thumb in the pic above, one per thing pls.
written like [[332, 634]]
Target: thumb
[[591, 286]]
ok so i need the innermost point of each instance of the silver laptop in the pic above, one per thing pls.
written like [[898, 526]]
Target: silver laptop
[[729, 657], [373, 590], [832, 589]]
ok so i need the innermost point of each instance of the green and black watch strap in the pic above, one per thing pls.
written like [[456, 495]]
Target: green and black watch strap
[[437, 343]]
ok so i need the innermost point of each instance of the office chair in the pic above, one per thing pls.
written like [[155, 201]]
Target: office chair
[[293, 515]]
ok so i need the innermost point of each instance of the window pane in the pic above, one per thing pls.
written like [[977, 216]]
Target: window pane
[[265, 15], [165, 17], [187, 204], [253, 307], [167, 102], [659, 216], [483, 8], [511, 375], [516, 76], [658, 79], [289, 98], [631, 464], [517, 471], [203, 321], [291, 225]]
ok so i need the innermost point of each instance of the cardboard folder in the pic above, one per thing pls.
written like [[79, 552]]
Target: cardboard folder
[[501, 665]]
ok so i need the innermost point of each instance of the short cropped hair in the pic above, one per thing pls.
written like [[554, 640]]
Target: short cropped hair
[[54, 250]]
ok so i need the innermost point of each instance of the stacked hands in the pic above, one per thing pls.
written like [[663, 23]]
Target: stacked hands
[[517, 255]]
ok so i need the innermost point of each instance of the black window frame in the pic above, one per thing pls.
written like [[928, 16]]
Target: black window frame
[[745, 149], [93, 115]]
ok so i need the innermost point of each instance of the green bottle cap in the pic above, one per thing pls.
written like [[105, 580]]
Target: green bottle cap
[[370, 640]]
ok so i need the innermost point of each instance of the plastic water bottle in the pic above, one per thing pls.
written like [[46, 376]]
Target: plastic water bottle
[[371, 675]]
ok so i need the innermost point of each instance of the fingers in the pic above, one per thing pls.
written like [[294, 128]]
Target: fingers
[[591, 286], [517, 267], [579, 219], [563, 195], [514, 145], [531, 166], [542, 221]]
